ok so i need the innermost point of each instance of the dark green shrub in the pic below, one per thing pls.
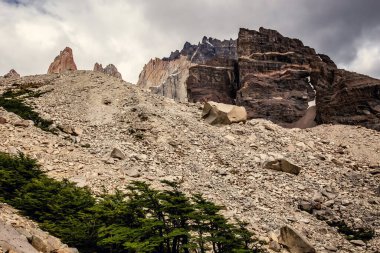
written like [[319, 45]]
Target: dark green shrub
[[16, 171], [10, 102], [364, 234], [141, 220]]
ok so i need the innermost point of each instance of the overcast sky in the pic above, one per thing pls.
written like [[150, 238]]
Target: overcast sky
[[128, 33]]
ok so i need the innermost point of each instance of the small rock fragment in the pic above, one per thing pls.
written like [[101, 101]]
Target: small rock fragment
[[116, 153], [282, 165]]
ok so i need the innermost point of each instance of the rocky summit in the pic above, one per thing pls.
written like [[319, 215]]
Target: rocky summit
[[110, 69], [182, 75], [272, 76], [63, 62], [299, 190], [12, 74]]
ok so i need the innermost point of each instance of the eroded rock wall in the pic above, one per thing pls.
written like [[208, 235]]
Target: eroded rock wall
[[274, 75]]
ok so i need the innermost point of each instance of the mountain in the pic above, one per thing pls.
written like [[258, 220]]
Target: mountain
[[322, 181], [272, 76]]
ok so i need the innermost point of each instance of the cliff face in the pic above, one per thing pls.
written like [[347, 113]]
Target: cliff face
[[274, 73], [347, 98], [184, 75], [63, 62], [272, 76], [167, 78]]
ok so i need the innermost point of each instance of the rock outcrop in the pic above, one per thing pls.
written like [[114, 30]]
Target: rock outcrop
[[63, 62], [272, 76], [12, 74], [166, 77], [200, 72], [110, 70], [345, 97]]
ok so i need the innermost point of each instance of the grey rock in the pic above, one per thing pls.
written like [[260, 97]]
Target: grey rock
[[295, 242], [275, 246], [358, 243], [283, 165], [116, 153]]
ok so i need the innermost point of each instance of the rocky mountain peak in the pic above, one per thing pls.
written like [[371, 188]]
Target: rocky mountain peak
[[110, 69], [63, 62], [207, 49], [12, 74]]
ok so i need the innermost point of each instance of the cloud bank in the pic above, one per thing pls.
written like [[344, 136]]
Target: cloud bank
[[128, 33]]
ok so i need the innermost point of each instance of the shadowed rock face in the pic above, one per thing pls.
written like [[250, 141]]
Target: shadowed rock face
[[63, 62], [272, 76], [347, 98], [110, 70]]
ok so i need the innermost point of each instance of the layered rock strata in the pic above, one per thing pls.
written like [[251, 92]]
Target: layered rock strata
[[272, 76], [347, 98], [110, 70], [63, 62]]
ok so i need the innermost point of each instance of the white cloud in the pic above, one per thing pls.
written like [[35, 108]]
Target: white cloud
[[367, 60]]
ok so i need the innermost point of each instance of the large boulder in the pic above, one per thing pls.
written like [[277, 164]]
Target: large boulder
[[110, 70], [283, 166], [12, 74], [218, 113], [295, 242], [63, 62]]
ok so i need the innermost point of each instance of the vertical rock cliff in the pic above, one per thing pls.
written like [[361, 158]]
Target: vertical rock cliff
[[63, 62], [181, 76], [274, 73]]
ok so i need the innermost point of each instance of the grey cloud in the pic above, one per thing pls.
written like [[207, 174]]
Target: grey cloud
[[130, 32]]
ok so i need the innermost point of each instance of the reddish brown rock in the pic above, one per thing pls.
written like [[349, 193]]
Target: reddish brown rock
[[272, 76], [345, 97], [12, 74], [63, 62], [110, 69], [209, 83], [274, 73]]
